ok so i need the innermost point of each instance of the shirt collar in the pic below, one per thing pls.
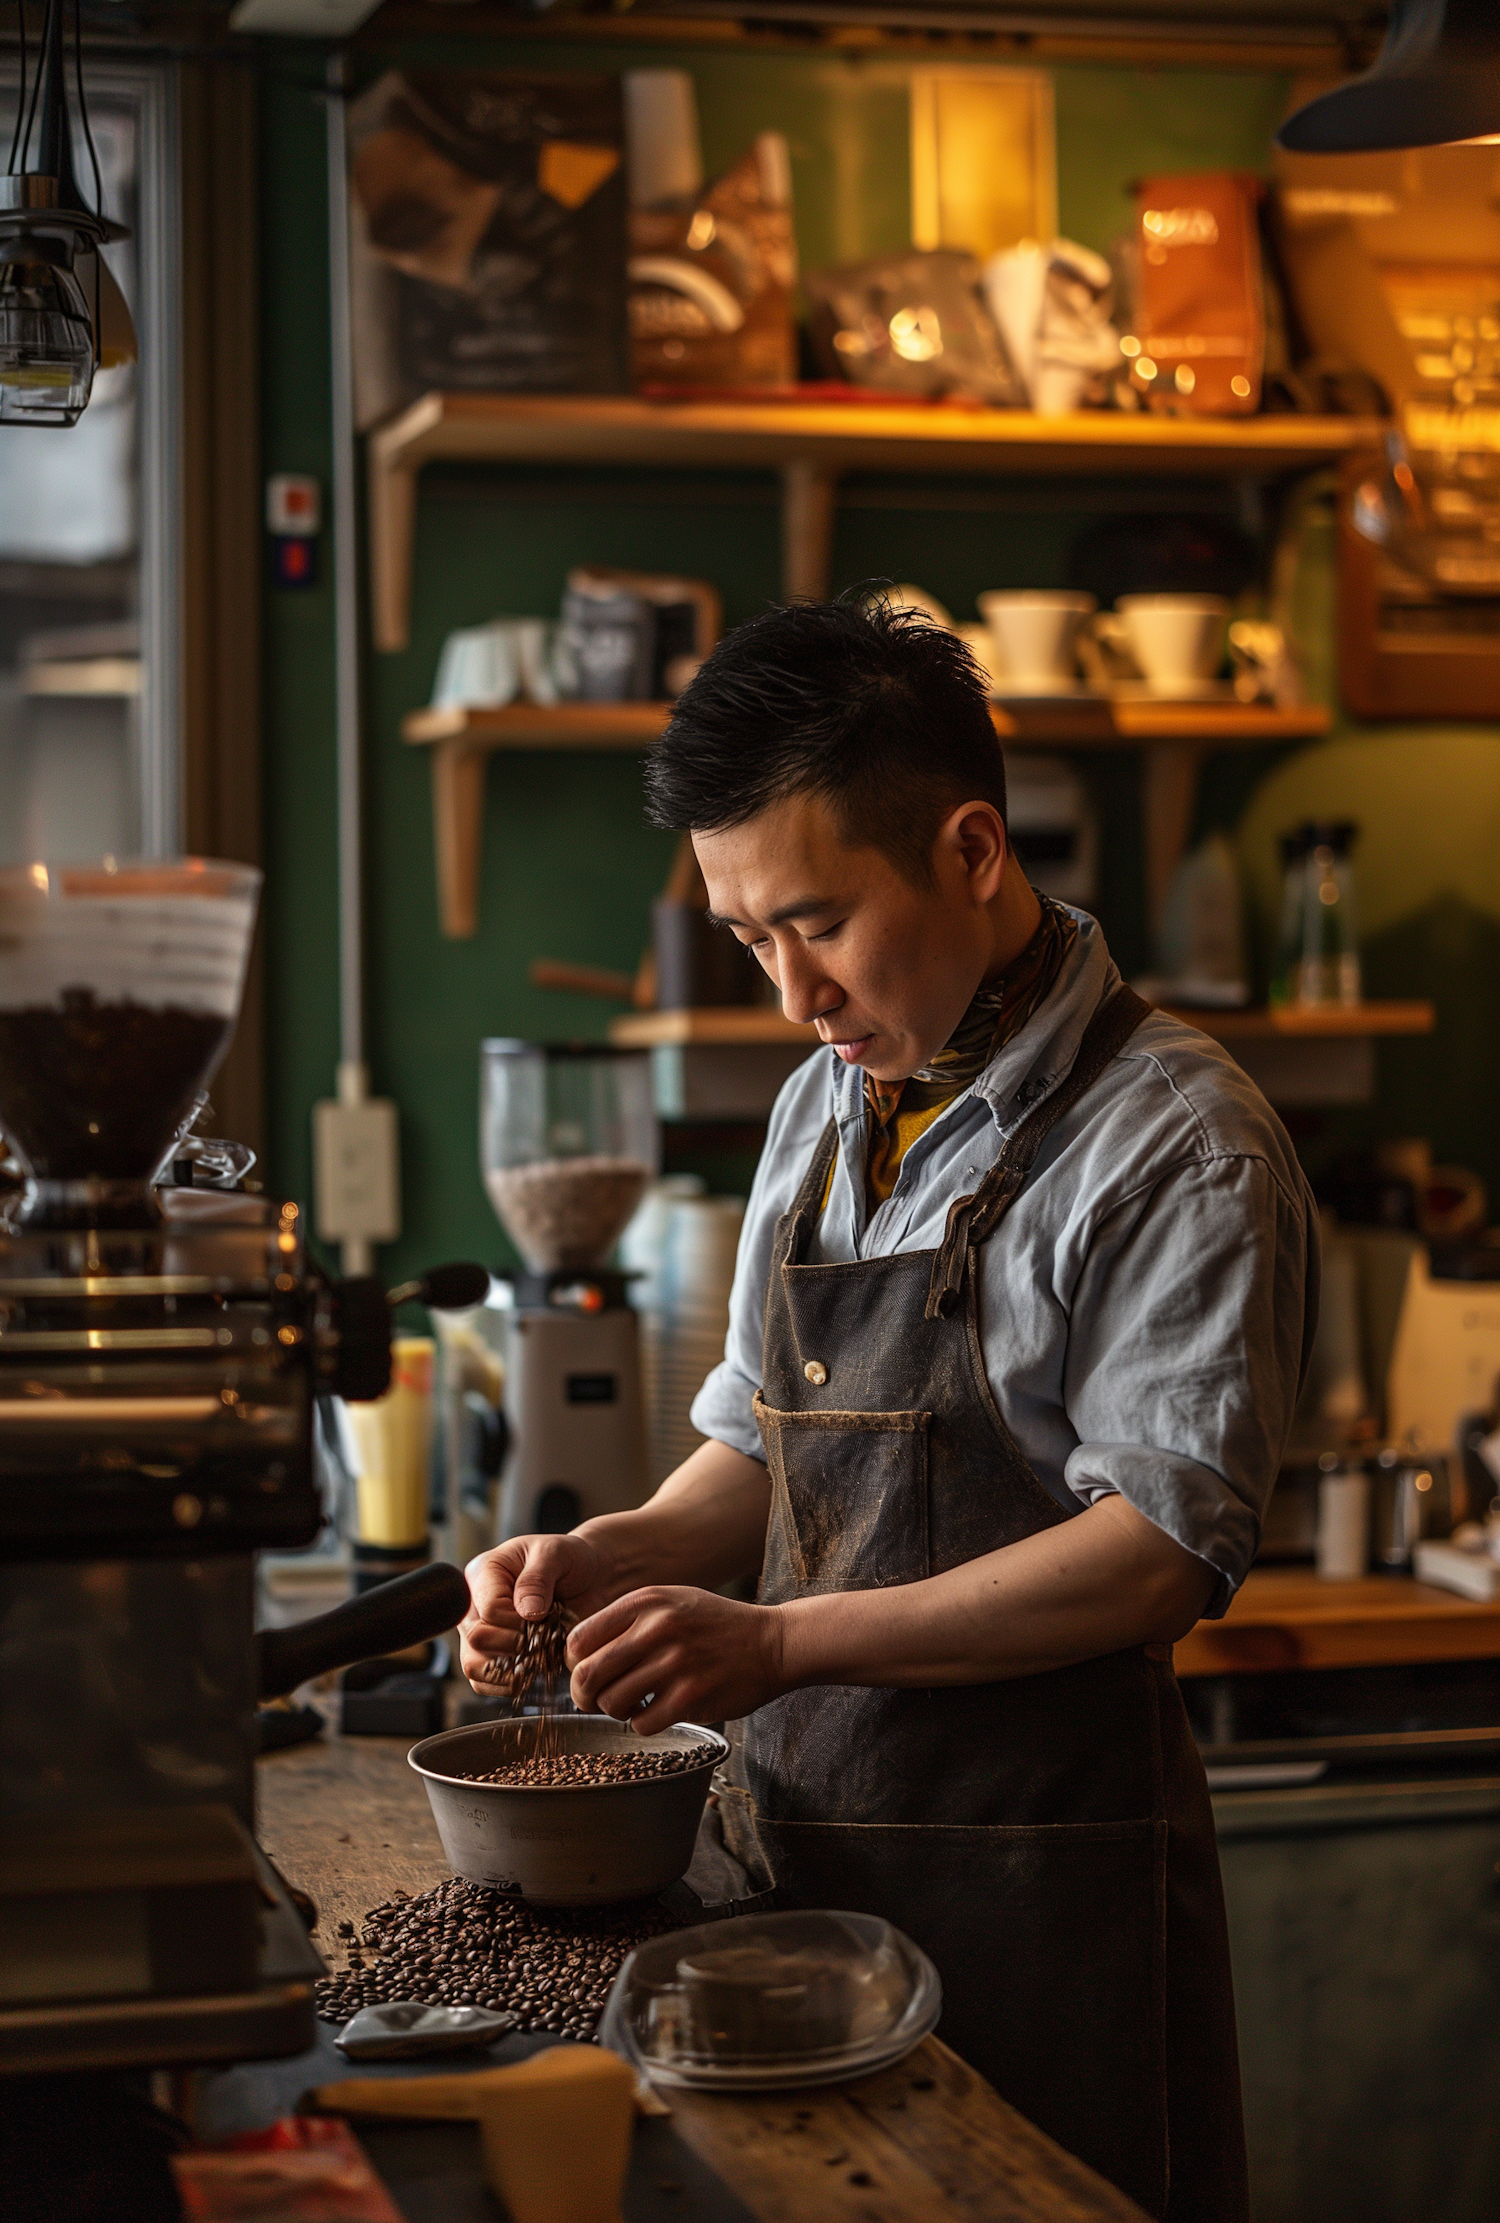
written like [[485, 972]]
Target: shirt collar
[[1032, 1062]]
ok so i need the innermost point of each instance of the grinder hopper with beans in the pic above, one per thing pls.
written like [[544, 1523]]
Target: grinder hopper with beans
[[568, 1142]]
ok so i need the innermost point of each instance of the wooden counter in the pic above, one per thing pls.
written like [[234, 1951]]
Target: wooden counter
[[1285, 1617], [925, 2142]]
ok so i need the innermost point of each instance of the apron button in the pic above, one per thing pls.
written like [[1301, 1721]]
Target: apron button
[[816, 1372]]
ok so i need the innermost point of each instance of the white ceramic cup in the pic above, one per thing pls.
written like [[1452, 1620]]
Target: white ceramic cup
[[1177, 639], [478, 668], [1034, 633]]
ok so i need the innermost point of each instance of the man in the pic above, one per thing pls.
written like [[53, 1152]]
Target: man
[[1022, 1302]]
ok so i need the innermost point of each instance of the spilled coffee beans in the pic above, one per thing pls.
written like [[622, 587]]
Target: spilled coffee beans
[[460, 1945]]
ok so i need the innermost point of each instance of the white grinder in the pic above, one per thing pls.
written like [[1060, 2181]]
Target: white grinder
[[568, 1141]]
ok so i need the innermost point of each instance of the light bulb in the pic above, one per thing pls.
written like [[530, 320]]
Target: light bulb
[[46, 336]]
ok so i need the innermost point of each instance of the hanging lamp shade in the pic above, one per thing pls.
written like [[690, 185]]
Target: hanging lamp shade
[[1436, 79]]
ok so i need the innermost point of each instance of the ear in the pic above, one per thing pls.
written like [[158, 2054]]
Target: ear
[[972, 841]]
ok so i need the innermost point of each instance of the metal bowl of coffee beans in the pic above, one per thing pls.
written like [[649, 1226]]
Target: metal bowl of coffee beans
[[575, 1811]]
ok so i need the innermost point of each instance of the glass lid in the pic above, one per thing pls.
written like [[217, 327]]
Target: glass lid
[[772, 2000]]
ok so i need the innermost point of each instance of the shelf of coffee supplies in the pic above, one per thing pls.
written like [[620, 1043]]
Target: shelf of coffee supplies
[[1173, 738], [810, 445]]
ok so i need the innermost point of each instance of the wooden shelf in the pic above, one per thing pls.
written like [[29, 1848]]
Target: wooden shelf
[[811, 444], [1080, 722], [1118, 722], [750, 1024], [1285, 1617], [1334, 1023], [1173, 737], [648, 1029], [524, 725]]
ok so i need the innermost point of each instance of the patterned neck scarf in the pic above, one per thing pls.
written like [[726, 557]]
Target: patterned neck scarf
[[901, 1110]]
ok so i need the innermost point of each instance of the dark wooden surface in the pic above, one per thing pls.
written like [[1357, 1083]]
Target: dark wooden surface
[[925, 2142], [1285, 1617]]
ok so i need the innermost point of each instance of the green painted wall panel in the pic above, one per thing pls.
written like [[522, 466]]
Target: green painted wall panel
[[569, 866]]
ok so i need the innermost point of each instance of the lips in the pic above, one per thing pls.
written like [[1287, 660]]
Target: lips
[[852, 1051]]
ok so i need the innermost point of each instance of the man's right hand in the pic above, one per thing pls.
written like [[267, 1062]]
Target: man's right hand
[[517, 1582]]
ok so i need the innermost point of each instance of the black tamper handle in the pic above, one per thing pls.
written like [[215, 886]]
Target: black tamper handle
[[407, 1610], [455, 1288]]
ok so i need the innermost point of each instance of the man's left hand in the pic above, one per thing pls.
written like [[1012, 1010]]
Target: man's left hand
[[661, 1655]]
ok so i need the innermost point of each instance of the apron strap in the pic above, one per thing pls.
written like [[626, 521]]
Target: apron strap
[[973, 1219], [808, 1202]]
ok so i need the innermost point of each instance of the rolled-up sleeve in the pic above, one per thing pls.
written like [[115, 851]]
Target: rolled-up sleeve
[[1189, 1331]]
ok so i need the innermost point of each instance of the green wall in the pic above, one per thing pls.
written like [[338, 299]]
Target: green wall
[[568, 865]]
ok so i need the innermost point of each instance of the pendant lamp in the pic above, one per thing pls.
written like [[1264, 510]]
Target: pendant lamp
[[1436, 79], [56, 296]]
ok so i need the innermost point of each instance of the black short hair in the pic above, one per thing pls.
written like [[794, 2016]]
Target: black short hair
[[874, 708]]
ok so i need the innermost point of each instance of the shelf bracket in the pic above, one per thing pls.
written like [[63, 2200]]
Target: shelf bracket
[[458, 774], [393, 531], [809, 498]]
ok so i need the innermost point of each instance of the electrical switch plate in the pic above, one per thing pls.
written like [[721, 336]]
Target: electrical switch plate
[[294, 505], [356, 1178]]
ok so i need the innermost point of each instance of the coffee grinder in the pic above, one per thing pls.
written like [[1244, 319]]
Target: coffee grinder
[[162, 1345], [568, 1142]]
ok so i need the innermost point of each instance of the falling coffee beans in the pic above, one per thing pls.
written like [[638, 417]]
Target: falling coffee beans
[[461, 1945], [580, 1771]]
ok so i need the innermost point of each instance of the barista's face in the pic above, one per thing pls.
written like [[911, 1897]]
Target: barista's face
[[885, 969]]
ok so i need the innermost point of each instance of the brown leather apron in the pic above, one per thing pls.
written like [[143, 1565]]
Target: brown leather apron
[[1047, 1840]]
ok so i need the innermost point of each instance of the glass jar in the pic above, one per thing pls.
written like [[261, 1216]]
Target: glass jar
[[568, 1140]]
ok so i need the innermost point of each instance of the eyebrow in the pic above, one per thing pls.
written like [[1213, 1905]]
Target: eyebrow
[[805, 906]]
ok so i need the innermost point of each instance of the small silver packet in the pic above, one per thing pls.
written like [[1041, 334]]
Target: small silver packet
[[403, 2030]]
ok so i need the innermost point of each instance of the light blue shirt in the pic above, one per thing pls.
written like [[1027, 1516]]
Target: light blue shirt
[[1146, 1305]]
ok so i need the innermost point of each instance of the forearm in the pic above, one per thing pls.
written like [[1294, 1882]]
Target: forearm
[[706, 1525], [1099, 1583]]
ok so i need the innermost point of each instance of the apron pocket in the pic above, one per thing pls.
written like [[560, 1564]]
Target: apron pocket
[[849, 1500], [1050, 1944]]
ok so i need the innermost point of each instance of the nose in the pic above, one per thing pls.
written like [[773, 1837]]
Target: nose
[[806, 991]]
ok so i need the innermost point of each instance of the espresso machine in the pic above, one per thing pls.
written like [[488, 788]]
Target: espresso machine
[[568, 1143], [162, 1347]]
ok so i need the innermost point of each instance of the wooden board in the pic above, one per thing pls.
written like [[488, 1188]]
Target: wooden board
[[1285, 1618], [844, 436], [1082, 722], [926, 2139], [925, 2142], [345, 1818], [646, 1030]]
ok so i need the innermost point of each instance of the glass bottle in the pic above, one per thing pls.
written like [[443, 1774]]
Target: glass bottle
[[1287, 961], [1329, 969]]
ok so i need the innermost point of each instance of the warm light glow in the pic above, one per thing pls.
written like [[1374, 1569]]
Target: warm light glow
[[37, 875]]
